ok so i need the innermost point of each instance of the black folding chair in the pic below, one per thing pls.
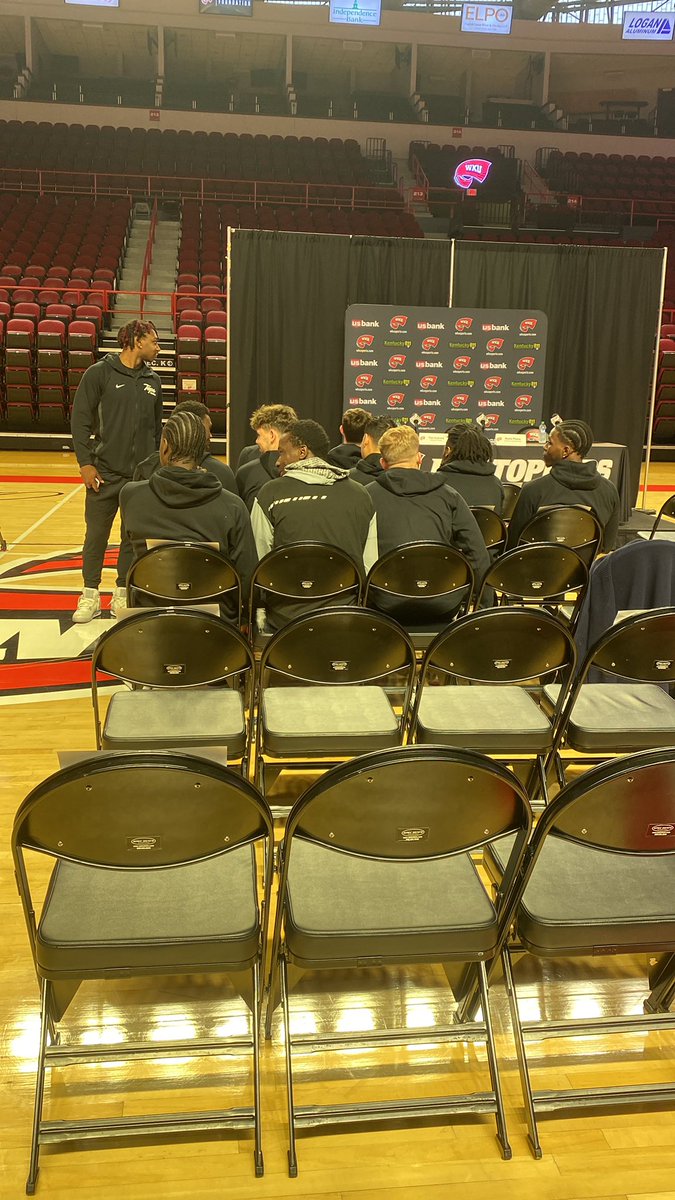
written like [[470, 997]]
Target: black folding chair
[[376, 872], [492, 528], [598, 879], [504, 656], [511, 494], [330, 687], [297, 579], [154, 874], [170, 657], [666, 514], [567, 525], [182, 574], [543, 574], [422, 585]]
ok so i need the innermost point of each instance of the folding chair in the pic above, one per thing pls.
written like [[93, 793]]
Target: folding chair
[[598, 879], [633, 711], [155, 874], [173, 657], [496, 652], [567, 525], [511, 494], [422, 585], [183, 574], [542, 573], [492, 528], [296, 579], [324, 690], [391, 835], [666, 514]]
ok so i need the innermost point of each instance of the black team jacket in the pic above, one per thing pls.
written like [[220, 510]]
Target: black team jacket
[[254, 474], [122, 408], [475, 481], [223, 473], [190, 506], [367, 469], [569, 482]]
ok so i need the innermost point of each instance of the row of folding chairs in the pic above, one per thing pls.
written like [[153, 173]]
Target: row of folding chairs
[[163, 864]]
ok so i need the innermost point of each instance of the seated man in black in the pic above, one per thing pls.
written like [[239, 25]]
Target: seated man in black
[[348, 453], [220, 469], [182, 502], [312, 501], [269, 422], [413, 506], [370, 464], [468, 467], [571, 481]]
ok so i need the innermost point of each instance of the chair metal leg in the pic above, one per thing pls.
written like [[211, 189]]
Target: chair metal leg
[[662, 983], [39, 1092], [532, 1132], [292, 1157], [502, 1134], [258, 1151]]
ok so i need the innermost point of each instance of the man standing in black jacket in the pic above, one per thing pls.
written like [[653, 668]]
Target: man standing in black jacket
[[119, 404], [415, 506]]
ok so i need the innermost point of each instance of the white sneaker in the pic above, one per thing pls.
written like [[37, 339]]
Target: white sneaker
[[118, 602], [88, 606]]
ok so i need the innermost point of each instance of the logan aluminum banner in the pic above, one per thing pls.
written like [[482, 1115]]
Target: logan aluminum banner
[[437, 367]]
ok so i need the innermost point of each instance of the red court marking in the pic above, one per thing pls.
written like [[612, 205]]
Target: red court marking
[[36, 676], [41, 479]]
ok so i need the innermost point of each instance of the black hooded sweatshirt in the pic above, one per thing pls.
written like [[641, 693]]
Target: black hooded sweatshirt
[[569, 482], [346, 455], [475, 481], [184, 505], [222, 472], [413, 506], [367, 469], [122, 409], [253, 475]]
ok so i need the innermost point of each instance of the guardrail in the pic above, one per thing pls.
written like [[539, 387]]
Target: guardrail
[[147, 260], [184, 187]]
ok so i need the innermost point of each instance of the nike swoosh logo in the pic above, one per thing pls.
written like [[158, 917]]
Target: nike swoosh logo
[[119, 385]]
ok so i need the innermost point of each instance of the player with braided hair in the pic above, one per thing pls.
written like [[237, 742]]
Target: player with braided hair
[[573, 479], [220, 469], [182, 502], [467, 467], [116, 422]]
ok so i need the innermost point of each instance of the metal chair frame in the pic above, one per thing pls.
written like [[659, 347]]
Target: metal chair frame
[[180, 574], [305, 573], [538, 573], [418, 578], [566, 524]]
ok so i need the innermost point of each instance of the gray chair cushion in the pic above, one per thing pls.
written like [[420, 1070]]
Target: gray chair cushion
[[346, 910], [151, 720], [502, 720], [619, 717], [584, 901], [327, 720], [202, 917]]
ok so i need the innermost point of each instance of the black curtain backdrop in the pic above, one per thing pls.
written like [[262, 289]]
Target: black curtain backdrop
[[289, 293], [286, 309], [603, 313]]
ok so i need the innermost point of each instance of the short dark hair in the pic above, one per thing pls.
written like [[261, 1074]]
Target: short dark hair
[[132, 332], [354, 422], [376, 426], [310, 434], [576, 434], [466, 443], [186, 437], [191, 406]]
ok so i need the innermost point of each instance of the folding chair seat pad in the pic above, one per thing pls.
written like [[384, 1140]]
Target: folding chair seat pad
[[495, 719], [327, 720], [344, 909], [619, 717], [150, 720], [155, 920], [580, 899]]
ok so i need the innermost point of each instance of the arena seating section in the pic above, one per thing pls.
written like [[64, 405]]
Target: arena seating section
[[611, 178]]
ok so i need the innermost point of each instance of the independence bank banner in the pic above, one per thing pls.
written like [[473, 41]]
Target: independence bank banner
[[436, 367]]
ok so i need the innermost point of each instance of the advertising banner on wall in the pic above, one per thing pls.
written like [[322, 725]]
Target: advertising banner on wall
[[437, 367]]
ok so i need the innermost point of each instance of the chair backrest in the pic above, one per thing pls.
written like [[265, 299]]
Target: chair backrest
[[641, 648], [537, 574], [339, 646], [311, 573], [180, 574], [567, 525], [491, 526], [171, 649], [412, 802], [502, 645], [666, 512], [420, 581]]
